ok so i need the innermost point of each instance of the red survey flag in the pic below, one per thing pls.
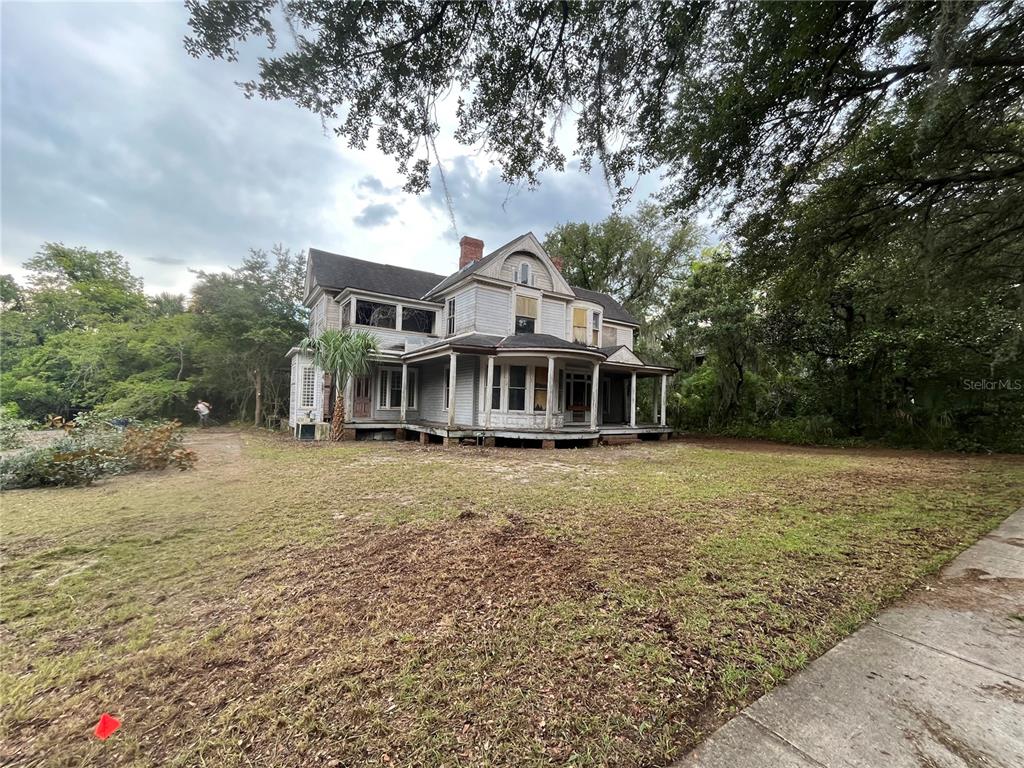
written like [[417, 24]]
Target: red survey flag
[[106, 726]]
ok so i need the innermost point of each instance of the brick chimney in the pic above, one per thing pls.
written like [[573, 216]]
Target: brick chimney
[[558, 262], [470, 250]]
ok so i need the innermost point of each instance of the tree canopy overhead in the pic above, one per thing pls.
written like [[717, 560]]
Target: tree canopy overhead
[[905, 112]]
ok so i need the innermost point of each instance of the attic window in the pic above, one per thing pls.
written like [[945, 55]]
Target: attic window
[[523, 274]]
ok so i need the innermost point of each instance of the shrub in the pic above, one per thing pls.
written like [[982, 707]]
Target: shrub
[[157, 447], [11, 427], [97, 450]]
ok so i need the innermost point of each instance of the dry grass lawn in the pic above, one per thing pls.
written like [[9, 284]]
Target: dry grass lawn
[[384, 604]]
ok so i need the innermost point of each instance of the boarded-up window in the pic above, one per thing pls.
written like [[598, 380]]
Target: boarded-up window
[[526, 314], [308, 387], [579, 325], [611, 337]]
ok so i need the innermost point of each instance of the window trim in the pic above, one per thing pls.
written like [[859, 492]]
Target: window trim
[[401, 314], [386, 372], [525, 388], [303, 405], [381, 303]]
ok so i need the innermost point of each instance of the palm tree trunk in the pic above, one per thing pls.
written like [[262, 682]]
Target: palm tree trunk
[[338, 419]]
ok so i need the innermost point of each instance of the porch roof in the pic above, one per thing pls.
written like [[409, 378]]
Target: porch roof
[[484, 344]]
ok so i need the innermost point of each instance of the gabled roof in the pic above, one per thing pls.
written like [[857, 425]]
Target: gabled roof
[[612, 309], [334, 271], [474, 266]]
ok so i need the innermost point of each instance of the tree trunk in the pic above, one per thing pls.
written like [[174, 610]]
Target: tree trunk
[[338, 420], [259, 396]]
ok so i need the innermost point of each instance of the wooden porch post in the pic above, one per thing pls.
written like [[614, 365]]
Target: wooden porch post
[[551, 392], [405, 387], [664, 400], [451, 388], [632, 399], [489, 393], [593, 395]]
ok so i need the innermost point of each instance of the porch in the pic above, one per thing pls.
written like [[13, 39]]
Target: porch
[[570, 435]]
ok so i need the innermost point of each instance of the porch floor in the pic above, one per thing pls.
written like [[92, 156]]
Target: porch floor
[[566, 432]]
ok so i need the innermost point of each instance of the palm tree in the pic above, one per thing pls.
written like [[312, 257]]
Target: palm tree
[[344, 353]]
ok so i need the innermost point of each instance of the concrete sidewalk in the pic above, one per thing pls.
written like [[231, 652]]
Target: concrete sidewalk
[[936, 681]]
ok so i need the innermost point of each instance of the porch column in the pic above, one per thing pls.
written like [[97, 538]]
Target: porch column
[[632, 399], [664, 400], [593, 395], [405, 387], [489, 393], [551, 392], [451, 389]]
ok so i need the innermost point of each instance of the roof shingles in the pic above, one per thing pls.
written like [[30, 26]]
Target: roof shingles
[[336, 272]]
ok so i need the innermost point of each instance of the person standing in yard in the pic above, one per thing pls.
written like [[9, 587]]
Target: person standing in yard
[[203, 409]]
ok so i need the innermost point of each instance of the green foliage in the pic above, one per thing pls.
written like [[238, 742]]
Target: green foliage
[[83, 336], [245, 322], [631, 257], [95, 450], [344, 353], [11, 427]]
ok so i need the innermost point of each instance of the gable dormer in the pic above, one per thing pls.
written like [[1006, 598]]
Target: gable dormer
[[525, 262]]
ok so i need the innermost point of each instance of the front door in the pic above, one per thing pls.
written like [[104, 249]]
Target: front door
[[578, 400], [361, 397]]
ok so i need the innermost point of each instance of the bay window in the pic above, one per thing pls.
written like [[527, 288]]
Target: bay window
[[540, 388], [579, 325]]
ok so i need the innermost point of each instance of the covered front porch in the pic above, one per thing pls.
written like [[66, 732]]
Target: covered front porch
[[527, 389]]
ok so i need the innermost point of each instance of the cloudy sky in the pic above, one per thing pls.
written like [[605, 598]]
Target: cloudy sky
[[114, 138]]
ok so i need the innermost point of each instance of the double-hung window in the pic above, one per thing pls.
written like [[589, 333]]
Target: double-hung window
[[390, 395], [526, 314], [579, 325], [540, 388], [451, 316], [517, 388], [447, 394], [496, 390], [595, 337], [523, 274]]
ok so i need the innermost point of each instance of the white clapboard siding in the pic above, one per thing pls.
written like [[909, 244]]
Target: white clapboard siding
[[493, 310], [552, 321], [539, 275]]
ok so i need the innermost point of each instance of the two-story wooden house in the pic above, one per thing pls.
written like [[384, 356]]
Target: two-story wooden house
[[504, 349]]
